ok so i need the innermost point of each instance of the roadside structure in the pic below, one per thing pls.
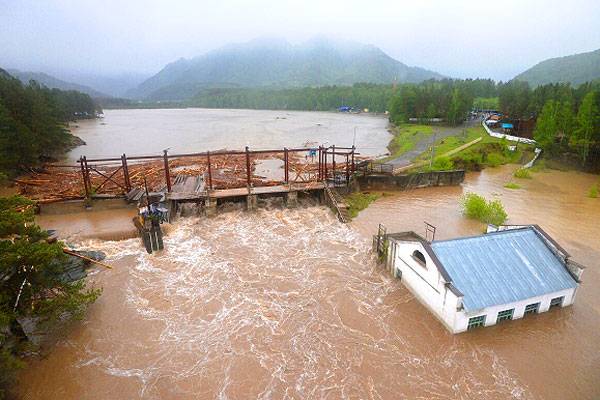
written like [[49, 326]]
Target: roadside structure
[[484, 280]]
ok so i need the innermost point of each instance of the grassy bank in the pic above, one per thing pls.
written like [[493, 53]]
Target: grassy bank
[[406, 136], [359, 201]]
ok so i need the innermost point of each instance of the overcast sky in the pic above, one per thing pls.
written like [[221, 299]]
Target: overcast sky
[[470, 38]]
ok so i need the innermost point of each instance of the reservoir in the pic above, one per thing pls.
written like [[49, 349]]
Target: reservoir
[[137, 132]]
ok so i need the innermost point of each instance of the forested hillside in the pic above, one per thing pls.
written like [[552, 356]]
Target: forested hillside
[[575, 69], [52, 82], [33, 121], [273, 63]]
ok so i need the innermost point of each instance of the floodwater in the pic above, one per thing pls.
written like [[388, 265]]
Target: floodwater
[[137, 132], [291, 304]]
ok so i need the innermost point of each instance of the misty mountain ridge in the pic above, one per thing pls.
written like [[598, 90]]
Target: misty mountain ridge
[[575, 69], [274, 62], [53, 82]]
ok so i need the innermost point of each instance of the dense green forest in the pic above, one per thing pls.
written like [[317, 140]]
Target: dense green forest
[[325, 98], [33, 121]]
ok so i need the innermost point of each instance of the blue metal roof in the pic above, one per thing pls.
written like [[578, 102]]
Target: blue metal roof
[[502, 267], [507, 126]]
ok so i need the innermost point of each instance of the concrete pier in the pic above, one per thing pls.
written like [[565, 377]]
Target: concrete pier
[[210, 207], [291, 199], [251, 202]]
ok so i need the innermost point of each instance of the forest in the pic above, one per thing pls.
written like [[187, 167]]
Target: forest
[[33, 122]]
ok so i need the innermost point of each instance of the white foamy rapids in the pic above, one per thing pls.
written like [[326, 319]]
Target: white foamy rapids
[[278, 304]]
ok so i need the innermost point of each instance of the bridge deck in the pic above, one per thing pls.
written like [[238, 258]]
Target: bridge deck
[[238, 192]]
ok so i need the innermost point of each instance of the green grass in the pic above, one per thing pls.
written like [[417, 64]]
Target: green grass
[[512, 185], [359, 201], [593, 192], [522, 173], [406, 136], [487, 211], [445, 145], [440, 164]]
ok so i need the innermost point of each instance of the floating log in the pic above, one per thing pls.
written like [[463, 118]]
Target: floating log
[[74, 254]]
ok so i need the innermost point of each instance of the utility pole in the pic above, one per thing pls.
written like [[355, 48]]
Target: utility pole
[[432, 151]]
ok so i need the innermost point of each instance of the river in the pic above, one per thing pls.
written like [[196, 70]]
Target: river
[[291, 304], [137, 132]]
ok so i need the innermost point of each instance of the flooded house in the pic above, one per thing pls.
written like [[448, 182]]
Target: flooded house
[[483, 280]]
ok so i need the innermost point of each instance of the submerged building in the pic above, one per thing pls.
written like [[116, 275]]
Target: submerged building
[[483, 280]]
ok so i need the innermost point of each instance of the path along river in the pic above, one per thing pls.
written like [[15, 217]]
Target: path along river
[[291, 304]]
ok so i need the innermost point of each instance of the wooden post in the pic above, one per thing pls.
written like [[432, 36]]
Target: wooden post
[[85, 185], [353, 165], [248, 172], [347, 171], [126, 172], [325, 163], [210, 187], [333, 161], [286, 164], [87, 178], [319, 168], [167, 172]]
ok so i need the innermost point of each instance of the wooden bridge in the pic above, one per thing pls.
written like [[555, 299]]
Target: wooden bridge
[[209, 177]]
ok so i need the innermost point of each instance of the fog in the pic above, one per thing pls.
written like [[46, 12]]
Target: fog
[[456, 38]]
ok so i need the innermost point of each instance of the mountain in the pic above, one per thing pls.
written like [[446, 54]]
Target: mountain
[[576, 69], [53, 83], [276, 63], [113, 84]]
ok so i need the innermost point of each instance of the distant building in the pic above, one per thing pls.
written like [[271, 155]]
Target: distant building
[[483, 280]]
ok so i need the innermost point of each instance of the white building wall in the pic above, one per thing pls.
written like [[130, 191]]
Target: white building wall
[[427, 284], [491, 313]]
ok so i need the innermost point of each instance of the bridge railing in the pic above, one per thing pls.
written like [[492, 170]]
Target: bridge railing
[[121, 174]]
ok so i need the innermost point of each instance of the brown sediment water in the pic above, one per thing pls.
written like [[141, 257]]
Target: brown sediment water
[[190, 130], [291, 304]]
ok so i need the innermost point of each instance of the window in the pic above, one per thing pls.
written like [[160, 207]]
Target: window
[[556, 302], [532, 308], [419, 257], [476, 322], [505, 315]]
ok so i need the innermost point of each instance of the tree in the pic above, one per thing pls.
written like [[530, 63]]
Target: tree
[[586, 133], [34, 284], [547, 125]]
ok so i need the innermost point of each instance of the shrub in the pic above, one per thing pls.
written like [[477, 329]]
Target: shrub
[[442, 164], [512, 185], [593, 193], [522, 173], [495, 159], [359, 201], [489, 212]]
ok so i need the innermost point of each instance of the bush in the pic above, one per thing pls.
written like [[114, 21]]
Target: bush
[[593, 193], [442, 164], [489, 212], [512, 185], [522, 173], [359, 201], [495, 159], [468, 160]]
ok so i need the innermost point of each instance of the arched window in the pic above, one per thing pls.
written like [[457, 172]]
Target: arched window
[[419, 257]]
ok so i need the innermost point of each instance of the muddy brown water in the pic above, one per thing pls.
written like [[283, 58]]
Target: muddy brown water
[[291, 304], [189, 130]]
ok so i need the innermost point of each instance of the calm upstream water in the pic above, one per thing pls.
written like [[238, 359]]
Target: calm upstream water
[[136, 132], [291, 304]]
